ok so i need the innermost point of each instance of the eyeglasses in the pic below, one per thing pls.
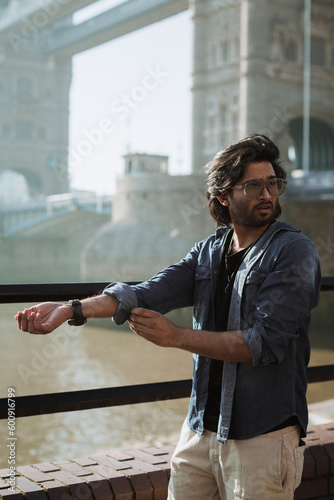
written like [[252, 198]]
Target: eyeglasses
[[254, 188]]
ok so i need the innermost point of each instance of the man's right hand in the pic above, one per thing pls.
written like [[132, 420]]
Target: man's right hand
[[43, 318]]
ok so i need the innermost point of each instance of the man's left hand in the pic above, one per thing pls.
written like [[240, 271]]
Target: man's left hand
[[153, 327]]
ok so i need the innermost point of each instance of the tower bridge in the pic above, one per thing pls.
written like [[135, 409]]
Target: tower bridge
[[248, 75], [17, 15], [118, 21], [55, 17], [40, 40]]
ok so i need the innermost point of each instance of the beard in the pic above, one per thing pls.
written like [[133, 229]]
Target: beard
[[243, 215]]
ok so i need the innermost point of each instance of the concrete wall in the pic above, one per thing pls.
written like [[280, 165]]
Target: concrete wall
[[315, 219], [50, 251]]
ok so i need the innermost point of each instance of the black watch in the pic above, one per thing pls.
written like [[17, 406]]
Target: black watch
[[78, 318]]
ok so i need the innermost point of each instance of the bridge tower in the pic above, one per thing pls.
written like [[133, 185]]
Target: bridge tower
[[248, 77], [34, 98]]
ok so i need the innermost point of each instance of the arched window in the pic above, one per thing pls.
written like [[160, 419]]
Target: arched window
[[213, 55], [223, 116], [321, 144], [318, 51], [291, 51], [225, 51], [13, 188]]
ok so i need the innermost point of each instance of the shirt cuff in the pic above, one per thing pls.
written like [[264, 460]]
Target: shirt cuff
[[127, 300], [253, 341], [261, 353]]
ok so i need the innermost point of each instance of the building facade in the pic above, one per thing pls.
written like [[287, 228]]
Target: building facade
[[249, 64], [34, 102]]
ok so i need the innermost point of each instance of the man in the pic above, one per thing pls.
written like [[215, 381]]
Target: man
[[252, 286]]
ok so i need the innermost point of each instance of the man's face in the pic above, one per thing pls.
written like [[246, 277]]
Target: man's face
[[256, 212]]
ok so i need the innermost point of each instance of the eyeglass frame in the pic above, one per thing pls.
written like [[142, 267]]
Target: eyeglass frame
[[264, 185]]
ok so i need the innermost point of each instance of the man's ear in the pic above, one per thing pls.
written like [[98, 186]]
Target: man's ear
[[222, 198]]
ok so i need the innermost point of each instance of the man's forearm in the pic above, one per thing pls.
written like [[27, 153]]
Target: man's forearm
[[101, 306], [225, 346]]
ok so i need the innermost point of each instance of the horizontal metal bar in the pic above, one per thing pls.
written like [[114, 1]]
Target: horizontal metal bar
[[322, 373], [43, 404], [39, 292], [327, 283]]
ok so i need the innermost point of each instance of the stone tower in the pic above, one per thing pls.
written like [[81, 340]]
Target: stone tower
[[34, 99], [156, 218], [248, 77]]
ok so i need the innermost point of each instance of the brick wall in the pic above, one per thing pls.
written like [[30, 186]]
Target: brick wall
[[143, 474], [318, 472], [137, 474]]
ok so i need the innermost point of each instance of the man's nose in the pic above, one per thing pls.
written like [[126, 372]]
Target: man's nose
[[265, 192]]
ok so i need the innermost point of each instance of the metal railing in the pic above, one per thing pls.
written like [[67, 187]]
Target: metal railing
[[113, 396]]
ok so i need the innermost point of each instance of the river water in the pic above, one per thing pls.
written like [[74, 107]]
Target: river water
[[95, 357]]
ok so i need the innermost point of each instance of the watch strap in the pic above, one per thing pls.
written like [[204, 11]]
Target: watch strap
[[78, 318]]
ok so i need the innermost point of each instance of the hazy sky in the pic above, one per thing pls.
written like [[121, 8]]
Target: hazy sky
[[131, 94]]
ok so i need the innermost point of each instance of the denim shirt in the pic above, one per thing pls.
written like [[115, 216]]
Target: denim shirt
[[275, 288]]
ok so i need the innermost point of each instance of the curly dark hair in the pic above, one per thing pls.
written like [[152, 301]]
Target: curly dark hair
[[227, 167]]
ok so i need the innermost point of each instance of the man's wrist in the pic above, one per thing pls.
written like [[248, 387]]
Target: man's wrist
[[67, 307], [100, 306], [78, 318], [178, 336]]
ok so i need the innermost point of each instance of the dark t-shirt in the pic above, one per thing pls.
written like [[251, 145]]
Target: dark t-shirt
[[228, 267]]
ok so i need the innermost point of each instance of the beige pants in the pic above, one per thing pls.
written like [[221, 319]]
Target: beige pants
[[267, 467]]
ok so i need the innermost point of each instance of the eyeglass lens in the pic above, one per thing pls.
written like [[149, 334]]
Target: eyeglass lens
[[275, 187]]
